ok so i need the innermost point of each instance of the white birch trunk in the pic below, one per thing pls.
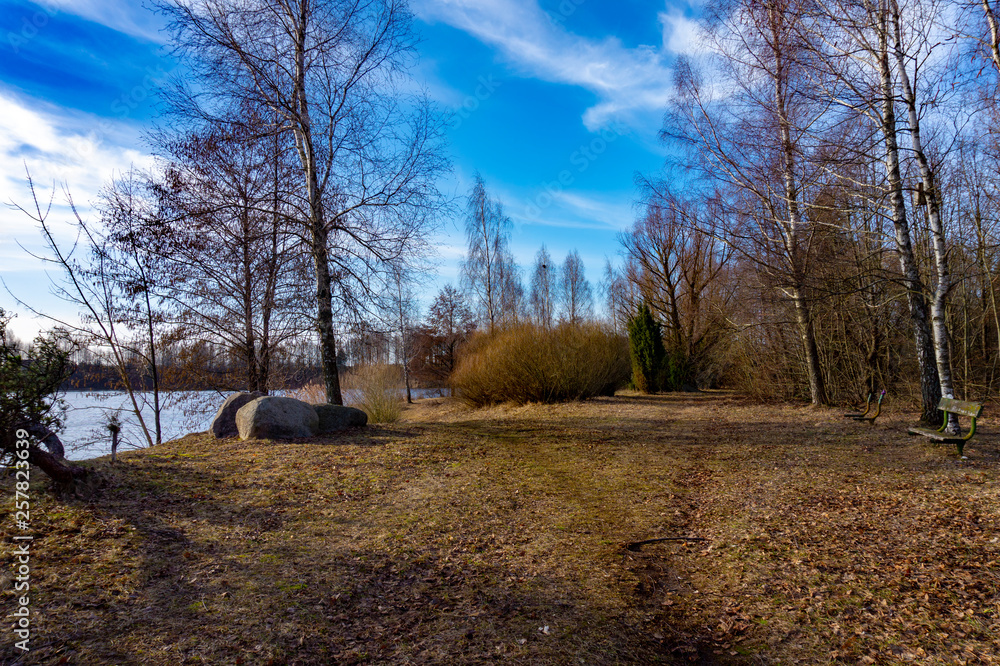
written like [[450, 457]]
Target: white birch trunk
[[939, 323], [930, 388], [792, 228]]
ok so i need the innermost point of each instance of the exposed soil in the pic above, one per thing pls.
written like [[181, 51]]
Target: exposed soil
[[499, 535]]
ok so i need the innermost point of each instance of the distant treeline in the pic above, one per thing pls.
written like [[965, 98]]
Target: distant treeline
[[101, 377]]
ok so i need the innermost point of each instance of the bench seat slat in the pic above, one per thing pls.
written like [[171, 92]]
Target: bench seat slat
[[936, 436], [971, 409]]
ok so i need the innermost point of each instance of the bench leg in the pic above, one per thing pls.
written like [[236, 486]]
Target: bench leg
[[961, 448]]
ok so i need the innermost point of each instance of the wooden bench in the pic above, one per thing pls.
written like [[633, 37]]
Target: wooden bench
[[959, 408], [867, 415]]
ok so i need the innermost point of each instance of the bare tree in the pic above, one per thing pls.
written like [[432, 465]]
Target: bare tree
[[621, 298], [127, 260], [112, 289], [404, 308], [977, 203], [450, 322], [329, 73], [762, 139], [914, 50], [992, 42], [227, 188], [576, 294], [543, 295], [680, 269], [854, 43], [489, 273]]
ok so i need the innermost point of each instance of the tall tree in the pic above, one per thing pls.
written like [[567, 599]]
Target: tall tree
[[404, 314], [913, 50], [127, 259], [761, 139], [679, 268], [544, 289], [489, 273], [228, 187], [112, 290], [621, 299], [576, 294], [854, 45], [329, 72]]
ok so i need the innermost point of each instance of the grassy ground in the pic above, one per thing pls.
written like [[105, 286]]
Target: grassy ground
[[467, 537]]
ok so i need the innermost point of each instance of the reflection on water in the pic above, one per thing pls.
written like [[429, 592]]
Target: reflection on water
[[86, 435]]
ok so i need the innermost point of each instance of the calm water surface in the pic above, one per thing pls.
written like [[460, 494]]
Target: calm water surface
[[86, 434]]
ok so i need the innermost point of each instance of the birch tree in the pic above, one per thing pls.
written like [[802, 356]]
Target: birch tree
[[543, 293], [915, 51], [404, 308], [576, 294], [369, 156], [856, 42], [757, 131], [489, 273]]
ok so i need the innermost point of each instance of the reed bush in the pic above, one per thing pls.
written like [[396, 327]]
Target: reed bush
[[533, 364], [314, 393], [378, 390]]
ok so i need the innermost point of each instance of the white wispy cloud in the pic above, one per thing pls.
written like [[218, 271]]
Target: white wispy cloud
[[65, 152], [77, 151], [627, 81], [606, 209], [603, 212], [126, 16], [682, 35]]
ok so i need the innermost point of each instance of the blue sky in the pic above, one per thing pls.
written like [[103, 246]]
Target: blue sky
[[556, 102]]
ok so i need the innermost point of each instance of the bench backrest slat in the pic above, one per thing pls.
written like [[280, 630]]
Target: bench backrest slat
[[973, 409]]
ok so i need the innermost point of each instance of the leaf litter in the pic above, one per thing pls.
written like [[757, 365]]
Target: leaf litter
[[465, 537]]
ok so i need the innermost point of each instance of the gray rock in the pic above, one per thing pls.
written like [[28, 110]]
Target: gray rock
[[334, 417], [224, 423], [272, 417]]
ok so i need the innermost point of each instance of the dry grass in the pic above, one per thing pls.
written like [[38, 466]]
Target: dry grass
[[314, 393], [379, 391], [458, 537], [376, 389]]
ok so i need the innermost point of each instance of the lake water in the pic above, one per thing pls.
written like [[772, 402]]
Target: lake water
[[86, 435]]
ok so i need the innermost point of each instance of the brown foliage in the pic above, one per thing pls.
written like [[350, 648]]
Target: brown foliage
[[534, 364]]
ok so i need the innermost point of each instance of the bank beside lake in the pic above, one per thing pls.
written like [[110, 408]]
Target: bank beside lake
[[86, 436]]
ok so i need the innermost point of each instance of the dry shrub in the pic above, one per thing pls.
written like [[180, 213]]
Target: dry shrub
[[378, 390], [313, 393], [532, 364], [764, 373]]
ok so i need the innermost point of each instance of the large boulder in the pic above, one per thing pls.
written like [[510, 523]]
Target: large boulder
[[272, 417], [335, 417], [224, 423]]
